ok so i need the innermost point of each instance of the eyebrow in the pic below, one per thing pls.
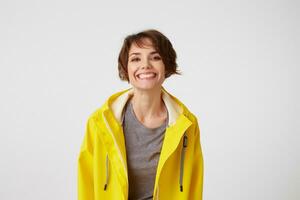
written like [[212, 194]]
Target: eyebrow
[[136, 53]]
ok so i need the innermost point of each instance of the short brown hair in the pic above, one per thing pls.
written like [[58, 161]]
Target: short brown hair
[[160, 43]]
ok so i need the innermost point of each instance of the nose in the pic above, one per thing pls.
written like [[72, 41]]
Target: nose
[[146, 64]]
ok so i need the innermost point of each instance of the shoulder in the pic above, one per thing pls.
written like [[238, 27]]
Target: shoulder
[[190, 115], [96, 115], [185, 109]]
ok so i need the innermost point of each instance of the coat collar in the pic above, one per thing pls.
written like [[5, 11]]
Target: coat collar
[[118, 101]]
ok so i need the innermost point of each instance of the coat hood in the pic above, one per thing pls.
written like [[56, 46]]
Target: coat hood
[[117, 102]]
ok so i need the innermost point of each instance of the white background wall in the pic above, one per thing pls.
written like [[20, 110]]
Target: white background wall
[[240, 64]]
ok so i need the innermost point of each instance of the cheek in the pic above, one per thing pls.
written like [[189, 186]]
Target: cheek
[[131, 71], [162, 68]]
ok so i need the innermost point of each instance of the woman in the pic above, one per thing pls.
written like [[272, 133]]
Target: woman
[[143, 143]]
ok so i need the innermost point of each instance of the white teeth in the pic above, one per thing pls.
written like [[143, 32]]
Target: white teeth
[[146, 75]]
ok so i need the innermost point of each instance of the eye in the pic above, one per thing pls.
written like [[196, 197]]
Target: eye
[[157, 57], [134, 59]]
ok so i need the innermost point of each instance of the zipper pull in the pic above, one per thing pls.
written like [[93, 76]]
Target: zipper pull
[[185, 141]]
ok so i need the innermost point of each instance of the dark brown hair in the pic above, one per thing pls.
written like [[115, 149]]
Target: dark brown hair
[[160, 43]]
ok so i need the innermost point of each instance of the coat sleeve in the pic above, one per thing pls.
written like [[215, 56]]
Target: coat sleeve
[[85, 165], [196, 188]]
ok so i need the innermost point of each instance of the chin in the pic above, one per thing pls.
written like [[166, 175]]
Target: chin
[[147, 87]]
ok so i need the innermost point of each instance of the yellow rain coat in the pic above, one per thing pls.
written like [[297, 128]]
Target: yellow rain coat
[[102, 164]]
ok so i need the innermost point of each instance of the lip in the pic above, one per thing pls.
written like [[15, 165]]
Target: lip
[[138, 75], [146, 73]]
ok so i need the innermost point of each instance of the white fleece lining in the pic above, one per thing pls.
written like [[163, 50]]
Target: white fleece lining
[[174, 110]]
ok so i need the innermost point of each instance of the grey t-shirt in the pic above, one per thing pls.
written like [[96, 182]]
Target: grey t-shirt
[[143, 146]]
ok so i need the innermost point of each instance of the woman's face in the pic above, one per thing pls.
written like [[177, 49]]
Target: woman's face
[[146, 69]]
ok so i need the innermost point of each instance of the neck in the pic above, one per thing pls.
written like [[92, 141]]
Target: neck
[[148, 104]]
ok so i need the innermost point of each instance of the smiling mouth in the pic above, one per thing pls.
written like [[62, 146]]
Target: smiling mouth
[[146, 76]]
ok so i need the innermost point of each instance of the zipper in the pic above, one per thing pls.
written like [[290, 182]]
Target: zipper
[[119, 152], [184, 145]]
